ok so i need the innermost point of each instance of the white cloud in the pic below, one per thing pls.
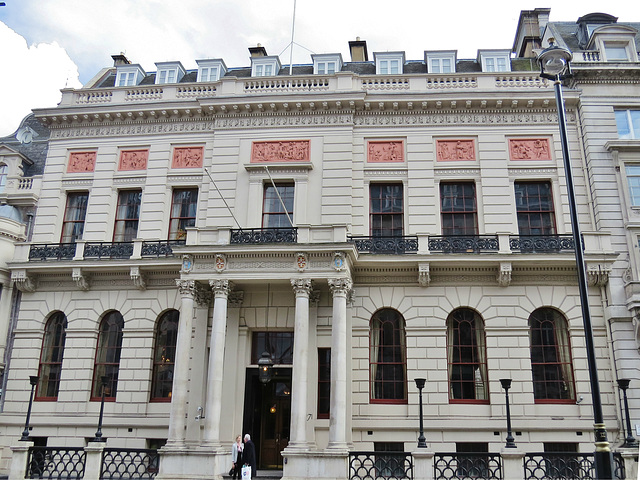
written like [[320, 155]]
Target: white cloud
[[32, 77]]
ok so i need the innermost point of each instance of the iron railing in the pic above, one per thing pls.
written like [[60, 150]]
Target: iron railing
[[463, 243], [161, 248], [463, 466], [49, 462], [129, 463], [264, 235], [560, 466], [378, 465], [55, 251], [389, 245], [108, 250], [541, 244]]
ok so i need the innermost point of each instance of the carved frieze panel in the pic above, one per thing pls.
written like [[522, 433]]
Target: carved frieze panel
[[129, 129], [81, 162], [529, 149], [281, 151], [187, 157], [385, 151], [133, 159], [455, 150]]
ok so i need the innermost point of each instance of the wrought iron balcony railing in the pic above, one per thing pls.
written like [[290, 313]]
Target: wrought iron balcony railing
[[264, 235], [541, 466], [386, 245], [129, 463], [374, 465], [61, 462], [55, 251], [108, 250], [487, 466], [541, 244], [161, 248], [463, 243]]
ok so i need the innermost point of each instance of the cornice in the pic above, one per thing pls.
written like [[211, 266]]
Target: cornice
[[605, 74]]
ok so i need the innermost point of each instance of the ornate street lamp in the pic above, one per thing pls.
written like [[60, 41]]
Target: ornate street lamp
[[104, 380], [555, 65], [422, 442], [506, 384], [265, 367], [33, 380], [629, 441]]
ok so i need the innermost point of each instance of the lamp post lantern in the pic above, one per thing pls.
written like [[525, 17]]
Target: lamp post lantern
[[33, 380], [555, 65], [629, 441], [265, 365], [104, 380], [506, 384], [422, 442]]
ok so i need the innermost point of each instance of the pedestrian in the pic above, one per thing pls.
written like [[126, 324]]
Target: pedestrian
[[236, 457], [249, 455]]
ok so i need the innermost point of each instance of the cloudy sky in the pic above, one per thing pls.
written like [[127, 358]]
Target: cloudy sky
[[46, 45]]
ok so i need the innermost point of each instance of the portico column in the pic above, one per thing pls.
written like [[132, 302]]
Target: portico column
[[177, 420], [340, 288], [299, 384], [213, 404]]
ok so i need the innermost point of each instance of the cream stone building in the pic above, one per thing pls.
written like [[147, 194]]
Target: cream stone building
[[366, 223]]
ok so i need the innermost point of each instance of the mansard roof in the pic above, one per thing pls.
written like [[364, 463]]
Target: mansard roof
[[31, 139]]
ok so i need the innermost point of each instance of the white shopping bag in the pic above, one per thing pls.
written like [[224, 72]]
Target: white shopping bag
[[246, 472]]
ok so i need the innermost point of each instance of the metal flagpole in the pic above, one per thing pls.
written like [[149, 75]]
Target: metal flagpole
[[293, 28], [225, 202]]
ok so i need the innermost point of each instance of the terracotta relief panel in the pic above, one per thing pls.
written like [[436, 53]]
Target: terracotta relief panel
[[529, 149], [187, 157], [281, 151], [81, 162], [455, 150], [133, 159], [388, 151]]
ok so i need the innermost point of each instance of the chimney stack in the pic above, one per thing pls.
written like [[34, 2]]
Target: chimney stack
[[120, 60], [358, 50], [258, 51]]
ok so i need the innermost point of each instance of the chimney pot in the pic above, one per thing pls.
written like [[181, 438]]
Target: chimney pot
[[358, 49]]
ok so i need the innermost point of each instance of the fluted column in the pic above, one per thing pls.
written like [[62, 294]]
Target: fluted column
[[299, 384], [213, 404], [340, 288], [177, 420]]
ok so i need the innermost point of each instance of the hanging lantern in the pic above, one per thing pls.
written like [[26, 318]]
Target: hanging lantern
[[265, 365]]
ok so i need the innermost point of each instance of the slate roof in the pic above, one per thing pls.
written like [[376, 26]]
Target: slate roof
[[36, 150], [568, 31]]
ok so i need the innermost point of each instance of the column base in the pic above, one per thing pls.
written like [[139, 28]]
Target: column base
[[313, 465], [199, 463]]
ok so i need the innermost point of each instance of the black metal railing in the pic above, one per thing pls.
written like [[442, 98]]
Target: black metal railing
[[463, 243], [464, 466], [389, 245], [161, 248], [54, 251], [108, 250], [264, 235], [547, 466], [129, 463], [541, 244], [50, 462], [373, 465]]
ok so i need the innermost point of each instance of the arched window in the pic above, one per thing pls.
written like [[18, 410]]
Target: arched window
[[51, 357], [164, 356], [108, 356], [3, 176], [387, 357], [551, 357], [467, 357]]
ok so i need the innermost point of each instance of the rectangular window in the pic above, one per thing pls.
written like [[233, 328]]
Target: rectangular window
[[534, 206], [259, 71], [268, 70], [127, 216], [167, 76], [126, 79], [326, 68], [628, 122], [389, 67], [441, 65], [74, 215], [274, 214], [324, 382], [615, 52], [209, 74], [386, 215], [633, 181], [458, 208], [278, 344], [183, 212]]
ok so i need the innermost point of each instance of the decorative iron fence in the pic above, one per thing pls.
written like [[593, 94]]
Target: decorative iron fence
[[56, 251], [264, 235], [379, 465], [541, 244], [463, 244], [129, 463], [108, 250], [49, 462], [463, 466], [557, 466], [161, 248], [388, 245]]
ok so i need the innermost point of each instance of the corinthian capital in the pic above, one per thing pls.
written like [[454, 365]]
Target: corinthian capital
[[340, 286], [220, 287], [186, 287], [302, 286]]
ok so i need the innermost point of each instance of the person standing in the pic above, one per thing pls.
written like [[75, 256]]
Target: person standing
[[236, 457], [249, 455]]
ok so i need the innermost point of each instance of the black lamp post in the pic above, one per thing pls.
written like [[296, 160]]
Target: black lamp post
[[555, 65], [265, 365], [104, 380], [422, 442], [506, 384], [629, 441], [33, 380]]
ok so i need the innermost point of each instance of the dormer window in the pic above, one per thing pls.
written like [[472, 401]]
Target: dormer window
[[265, 66], [327, 64], [615, 42], [495, 60], [211, 70], [389, 63], [615, 52], [440, 61], [129, 75], [169, 72]]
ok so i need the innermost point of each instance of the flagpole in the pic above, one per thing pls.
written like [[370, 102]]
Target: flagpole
[[293, 29]]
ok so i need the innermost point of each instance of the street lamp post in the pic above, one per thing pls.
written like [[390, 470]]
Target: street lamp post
[[104, 380], [555, 65], [33, 380], [629, 441], [506, 384], [422, 442]]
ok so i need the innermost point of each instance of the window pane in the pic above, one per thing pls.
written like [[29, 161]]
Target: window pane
[[387, 356], [51, 357], [458, 209], [386, 209], [616, 52], [466, 353], [107, 361], [324, 382], [273, 212], [183, 212], [127, 215], [164, 356], [534, 206]]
